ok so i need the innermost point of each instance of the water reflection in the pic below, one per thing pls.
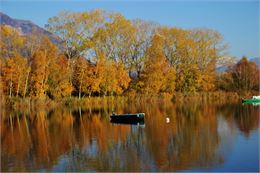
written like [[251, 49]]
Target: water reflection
[[85, 140], [245, 117]]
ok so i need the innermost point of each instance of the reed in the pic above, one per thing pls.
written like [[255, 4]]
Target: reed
[[16, 103]]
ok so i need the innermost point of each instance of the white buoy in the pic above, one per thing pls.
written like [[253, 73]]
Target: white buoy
[[167, 120]]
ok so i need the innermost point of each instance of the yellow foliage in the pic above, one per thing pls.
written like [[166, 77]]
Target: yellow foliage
[[11, 41], [37, 85], [99, 51], [157, 74], [14, 75], [114, 78]]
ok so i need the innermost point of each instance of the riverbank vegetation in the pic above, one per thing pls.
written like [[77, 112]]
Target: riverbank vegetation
[[104, 54]]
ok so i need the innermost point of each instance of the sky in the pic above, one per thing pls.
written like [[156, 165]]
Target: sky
[[237, 21]]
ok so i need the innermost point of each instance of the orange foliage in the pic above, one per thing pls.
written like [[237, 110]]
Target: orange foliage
[[157, 74]]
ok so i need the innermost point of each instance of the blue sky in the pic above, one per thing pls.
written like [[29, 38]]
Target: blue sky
[[237, 21]]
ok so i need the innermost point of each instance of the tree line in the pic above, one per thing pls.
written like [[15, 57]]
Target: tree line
[[103, 53]]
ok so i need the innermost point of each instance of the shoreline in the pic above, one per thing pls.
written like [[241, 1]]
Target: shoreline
[[199, 97]]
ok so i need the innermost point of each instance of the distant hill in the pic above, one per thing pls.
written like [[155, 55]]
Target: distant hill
[[26, 27], [223, 68]]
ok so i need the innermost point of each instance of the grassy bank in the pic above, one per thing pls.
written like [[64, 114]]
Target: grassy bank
[[45, 103], [209, 97]]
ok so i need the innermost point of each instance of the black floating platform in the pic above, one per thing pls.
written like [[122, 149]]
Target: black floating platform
[[127, 118]]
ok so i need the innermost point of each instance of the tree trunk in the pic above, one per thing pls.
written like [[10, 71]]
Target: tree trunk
[[26, 83], [68, 67], [80, 91], [18, 87], [11, 86]]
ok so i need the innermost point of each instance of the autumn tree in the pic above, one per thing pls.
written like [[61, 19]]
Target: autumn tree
[[41, 65], [11, 42], [155, 74], [142, 37], [179, 48], [37, 84], [82, 76], [188, 79], [14, 75], [99, 50], [76, 30], [122, 78], [21, 70], [7, 72], [193, 50], [104, 76], [244, 76], [210, 49], [115, 38], [58, 80], [170, 80], [208, 77], [2, 95], [114, 77], [225, 81], [109, 82], [15, 67], [32, 43], [66, 26]]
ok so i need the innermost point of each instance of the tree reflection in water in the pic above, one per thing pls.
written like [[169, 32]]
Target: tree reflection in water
[[83, 139]]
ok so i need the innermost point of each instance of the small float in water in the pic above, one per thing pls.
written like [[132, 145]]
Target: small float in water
[[254, 99]]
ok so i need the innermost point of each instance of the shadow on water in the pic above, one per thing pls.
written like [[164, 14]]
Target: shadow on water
[[84, 139]]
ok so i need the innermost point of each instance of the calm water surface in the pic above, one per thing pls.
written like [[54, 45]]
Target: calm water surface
[[211, 137]]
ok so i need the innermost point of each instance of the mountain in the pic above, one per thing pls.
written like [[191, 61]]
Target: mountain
[[222, 69], [26, 27]]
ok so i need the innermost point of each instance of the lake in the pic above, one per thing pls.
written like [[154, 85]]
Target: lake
[[197, 137]]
